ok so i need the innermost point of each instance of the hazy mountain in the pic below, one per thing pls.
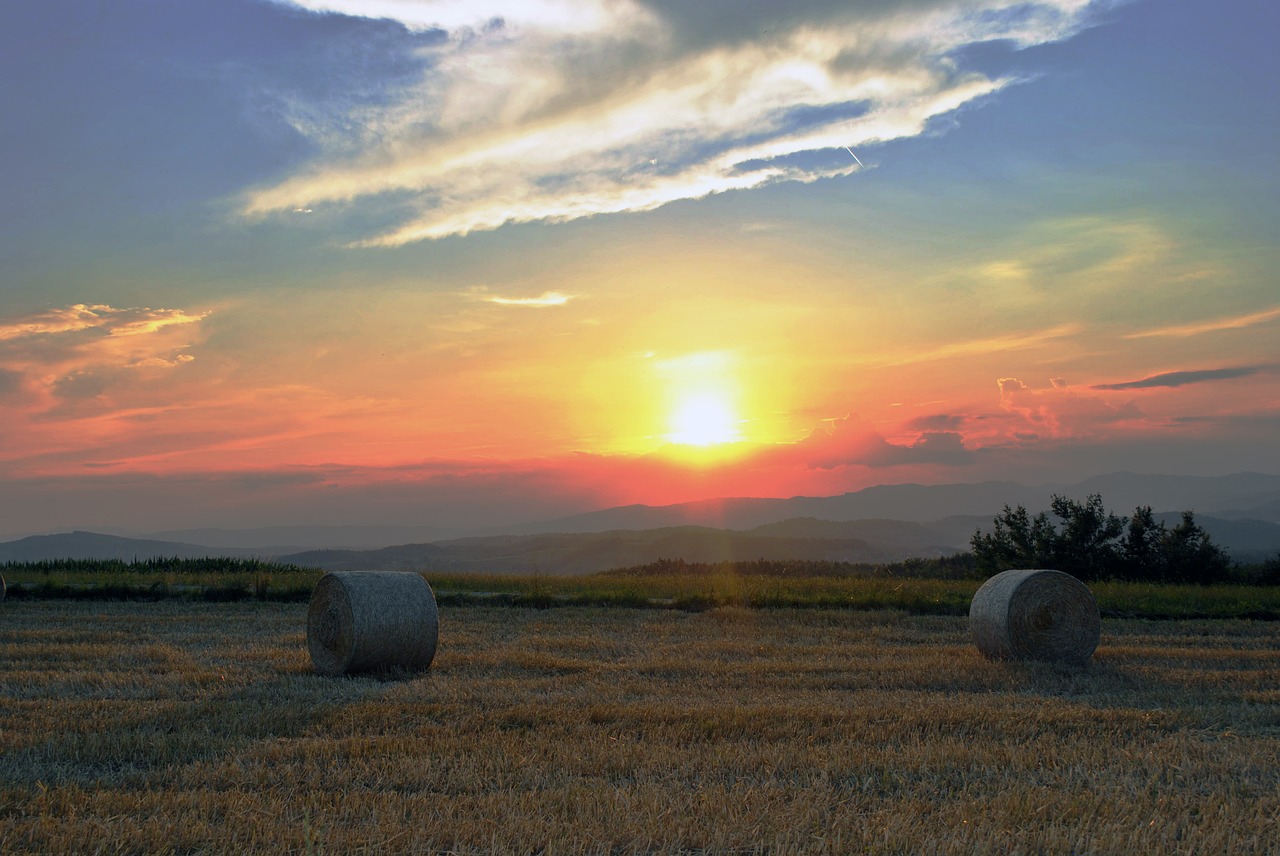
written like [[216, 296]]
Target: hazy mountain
[[1121, 492], [1268, 511], [910, 502], [584, 553], [293, 539], [1251, 493], [92, 545], [884, 523], [1246, 540]]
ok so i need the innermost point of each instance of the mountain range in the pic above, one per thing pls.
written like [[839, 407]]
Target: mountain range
[[1241, 512]]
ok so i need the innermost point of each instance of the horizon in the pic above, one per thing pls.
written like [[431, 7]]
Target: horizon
[[285, 262], [714, 512]]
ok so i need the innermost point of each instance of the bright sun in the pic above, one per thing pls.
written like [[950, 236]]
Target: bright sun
[[703, 419]]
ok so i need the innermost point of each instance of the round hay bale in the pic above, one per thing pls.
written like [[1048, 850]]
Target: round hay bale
[[363, 621], [1035, 615]]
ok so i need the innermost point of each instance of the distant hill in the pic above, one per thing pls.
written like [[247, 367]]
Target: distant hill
[[589, 552], [278, 540], [92, 545], [1247, 495], [910, 502], [879, 524], [585, 553], [1246, 540]]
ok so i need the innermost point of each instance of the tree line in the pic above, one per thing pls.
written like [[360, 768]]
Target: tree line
[[1091, 543]]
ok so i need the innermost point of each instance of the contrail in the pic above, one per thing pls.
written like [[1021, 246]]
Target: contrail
[[855, 157]]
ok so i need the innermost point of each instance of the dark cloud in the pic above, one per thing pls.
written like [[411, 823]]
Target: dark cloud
[[936, 422], [80, 385], [10, 383], [853, 442], [1171, 379], [730, 21], [935, 447]]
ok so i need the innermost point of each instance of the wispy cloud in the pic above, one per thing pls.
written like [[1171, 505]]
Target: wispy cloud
[[990, 344], [1172, 379], [547, 298], [562, 109], [1236, 322], [565, 16]]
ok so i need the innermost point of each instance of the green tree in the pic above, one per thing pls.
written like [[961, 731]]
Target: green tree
[[1086, 547], [1091, 543], [1017, 540], [1190, 556], [1141, 552]]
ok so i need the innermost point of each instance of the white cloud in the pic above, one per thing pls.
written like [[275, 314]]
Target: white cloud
[[565, 16], [571, 109], [548, 298]]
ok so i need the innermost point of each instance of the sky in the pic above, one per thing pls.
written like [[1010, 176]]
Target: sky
[[467, 264]]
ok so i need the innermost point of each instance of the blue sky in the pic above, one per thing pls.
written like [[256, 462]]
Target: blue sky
[[471, 250]]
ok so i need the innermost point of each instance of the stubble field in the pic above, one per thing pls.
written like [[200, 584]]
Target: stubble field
[[186, 727]]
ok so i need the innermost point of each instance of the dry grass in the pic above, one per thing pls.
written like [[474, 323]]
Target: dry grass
[[181, 727]]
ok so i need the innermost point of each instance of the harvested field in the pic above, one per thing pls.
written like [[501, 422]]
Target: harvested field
[[188, 727]]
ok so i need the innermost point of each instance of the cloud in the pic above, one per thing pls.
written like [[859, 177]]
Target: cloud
[[563, 109], [78, 352], [1059, 411], [81, 316], [1173, 379], [990, 344], [10, 383], [563, 16], [850, 441], [547, 298], [936, 422], [1195, 329]]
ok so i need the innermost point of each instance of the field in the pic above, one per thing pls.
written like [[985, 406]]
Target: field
[[769, 585], [180, 726]]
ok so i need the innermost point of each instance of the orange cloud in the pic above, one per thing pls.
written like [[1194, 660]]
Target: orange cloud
[[63, 371], [1060, 410]]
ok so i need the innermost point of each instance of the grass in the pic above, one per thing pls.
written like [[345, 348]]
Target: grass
[[181, 726], [688, 588]]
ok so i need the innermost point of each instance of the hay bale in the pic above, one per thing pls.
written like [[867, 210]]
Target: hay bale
[[362, 621], [1035, 615]]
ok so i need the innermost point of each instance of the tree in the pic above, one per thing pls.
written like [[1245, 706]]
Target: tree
[[1016, 541], [1190, 556], [1086, 547], [1090, 543], [1141, 550]]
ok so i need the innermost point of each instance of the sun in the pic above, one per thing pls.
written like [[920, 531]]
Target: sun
[[703, 419]]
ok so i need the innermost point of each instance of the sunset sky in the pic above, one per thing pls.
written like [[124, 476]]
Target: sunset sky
[[465, 264]]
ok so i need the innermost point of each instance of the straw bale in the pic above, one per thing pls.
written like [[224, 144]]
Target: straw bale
[[1035, 615], [362, 621]]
